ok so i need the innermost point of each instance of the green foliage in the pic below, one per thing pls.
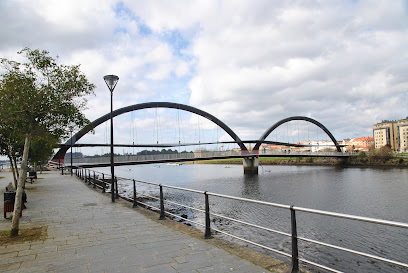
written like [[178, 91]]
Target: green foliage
[[41, 98], [42, 95], [163, 151], [41, 148], [383, 153], [362, 154]]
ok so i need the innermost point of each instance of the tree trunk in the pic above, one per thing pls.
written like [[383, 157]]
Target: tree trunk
[[15, 164], [12, 169], [21, 182]]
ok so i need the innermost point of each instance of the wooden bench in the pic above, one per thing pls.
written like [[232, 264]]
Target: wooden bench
[[31, 179], [32, 176]]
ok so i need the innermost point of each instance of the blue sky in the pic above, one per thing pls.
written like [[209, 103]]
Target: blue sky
[[250, 63]]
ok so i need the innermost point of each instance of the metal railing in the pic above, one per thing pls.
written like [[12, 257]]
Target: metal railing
[[97, 179]]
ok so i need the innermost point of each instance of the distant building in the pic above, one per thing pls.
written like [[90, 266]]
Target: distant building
[[358, 144], [322, 145], [393, 133], [402, 132]]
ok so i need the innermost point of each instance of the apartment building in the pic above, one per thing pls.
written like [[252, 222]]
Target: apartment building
[[402, 131], [393, 133]]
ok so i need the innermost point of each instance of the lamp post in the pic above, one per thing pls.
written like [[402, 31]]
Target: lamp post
[[71, 129], [111, 81]]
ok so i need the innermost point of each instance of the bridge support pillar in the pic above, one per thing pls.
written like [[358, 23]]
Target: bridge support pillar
[[250, 165]]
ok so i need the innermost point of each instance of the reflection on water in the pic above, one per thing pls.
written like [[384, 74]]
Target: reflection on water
[[377, 193]]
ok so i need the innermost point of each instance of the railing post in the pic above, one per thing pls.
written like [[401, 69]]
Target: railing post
[[161, 203], [134, 194], [89, 177], [207, 234], [94, 180], [103, 183], [295, 250], [116, 187]]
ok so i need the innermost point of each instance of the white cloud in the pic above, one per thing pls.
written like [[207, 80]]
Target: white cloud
[[315, 59], [249, 63]]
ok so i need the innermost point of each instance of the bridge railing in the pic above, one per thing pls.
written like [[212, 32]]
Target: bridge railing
[[201, 155], [98, 179]]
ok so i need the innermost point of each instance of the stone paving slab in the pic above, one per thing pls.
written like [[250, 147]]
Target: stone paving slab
[[89, 233]]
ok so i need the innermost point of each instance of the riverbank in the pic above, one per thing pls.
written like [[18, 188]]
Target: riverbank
[[353, 161]]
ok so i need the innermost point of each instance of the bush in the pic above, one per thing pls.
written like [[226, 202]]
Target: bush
[[384, 153], [362, 154]]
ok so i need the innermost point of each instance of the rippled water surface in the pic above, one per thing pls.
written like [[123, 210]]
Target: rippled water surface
[[376, 193]]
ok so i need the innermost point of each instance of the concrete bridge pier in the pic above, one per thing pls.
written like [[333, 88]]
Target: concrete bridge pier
[[250, 165]]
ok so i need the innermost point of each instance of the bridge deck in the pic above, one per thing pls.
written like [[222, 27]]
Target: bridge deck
[[154, 159]]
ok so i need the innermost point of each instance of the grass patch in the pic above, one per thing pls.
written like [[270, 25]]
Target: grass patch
[[24, 235], [1, 177]]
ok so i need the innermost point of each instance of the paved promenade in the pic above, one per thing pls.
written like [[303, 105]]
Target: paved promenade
[[88, 233]]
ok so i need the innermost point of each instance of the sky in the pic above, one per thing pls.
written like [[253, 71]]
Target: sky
[[250, 63]]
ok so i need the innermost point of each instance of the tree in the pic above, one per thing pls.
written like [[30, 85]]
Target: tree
[[384, 153], [11, 145], [41, 149], [40, 96]]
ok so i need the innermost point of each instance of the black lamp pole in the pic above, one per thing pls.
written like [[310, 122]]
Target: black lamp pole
[[71, 149], [111, 81]]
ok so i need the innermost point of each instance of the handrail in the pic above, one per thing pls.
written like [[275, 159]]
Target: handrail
[[91, 179]]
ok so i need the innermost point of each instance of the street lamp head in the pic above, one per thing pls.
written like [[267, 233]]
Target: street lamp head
[[111, 81]]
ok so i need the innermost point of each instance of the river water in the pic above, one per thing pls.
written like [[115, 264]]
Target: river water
[[368, 192]]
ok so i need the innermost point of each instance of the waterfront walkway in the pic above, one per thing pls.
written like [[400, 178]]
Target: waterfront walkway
[[85, 232]]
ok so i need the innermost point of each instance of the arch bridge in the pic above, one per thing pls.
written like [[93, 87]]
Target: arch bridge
[[250, 157]]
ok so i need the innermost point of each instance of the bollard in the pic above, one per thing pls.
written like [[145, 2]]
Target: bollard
[[162, 216], [89, 177], [207, 234], [134, 194], [295, 250]]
